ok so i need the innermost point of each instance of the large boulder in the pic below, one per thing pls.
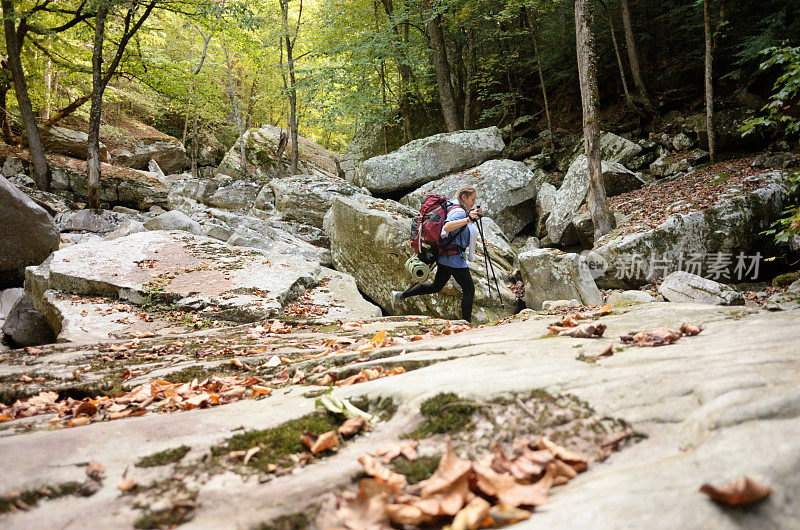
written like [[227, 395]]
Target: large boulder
[[685, 287], [574, 191], [261, 150], [26, 326], [693, 241], [237, 196], [8, 298], [242, 285], [211, 152], [96, 221], [65, 141], [550, 274], [307, 198], [726, 128], [368, 141], [787, 300], [174, 220], [118, 185], [613, 148], [506, 191], [27, 234], [369, 239], [169, 154], [775, 161], [421, 161]]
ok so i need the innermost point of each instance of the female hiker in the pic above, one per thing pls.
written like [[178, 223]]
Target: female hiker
[[460, 220]]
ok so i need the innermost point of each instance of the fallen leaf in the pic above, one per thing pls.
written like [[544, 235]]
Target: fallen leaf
[[326, 380], [375, 469], [95, 469], [407, 448], [690, 329], [352, 426], [85, 408], [126, 484], [261, 390], [472, 515], [26, 378], [350, 326], [503, 515], [739, 492], [320, 443], [299, 375], [656, 337], [562, 453], [30, 350], [605, 310], [79, 421], [237, 363], [584, 331], [272, 362]]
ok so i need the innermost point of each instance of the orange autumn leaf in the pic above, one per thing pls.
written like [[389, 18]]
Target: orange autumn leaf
[[605, 310], [79, 421], [564, 454], [320, 443], [472, 515], [739, 492], [375, 469], [261, 390], [352, 426], [5, 417]]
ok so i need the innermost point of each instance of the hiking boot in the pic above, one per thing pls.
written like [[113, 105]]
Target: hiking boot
[[396, 298]]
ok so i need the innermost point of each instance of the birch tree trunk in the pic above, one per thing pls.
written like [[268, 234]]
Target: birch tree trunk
[[236, 115], [93, 161], [633, 56], [598, 205], [447, 97], [709, 81]]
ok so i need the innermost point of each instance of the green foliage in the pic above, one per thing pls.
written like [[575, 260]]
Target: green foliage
[[163, 458], [785, 91], [788, 225]]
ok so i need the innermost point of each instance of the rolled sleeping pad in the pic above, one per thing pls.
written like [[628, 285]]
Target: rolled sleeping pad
[[417, 269]]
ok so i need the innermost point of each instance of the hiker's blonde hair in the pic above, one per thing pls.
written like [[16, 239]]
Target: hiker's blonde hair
[[467, 190]]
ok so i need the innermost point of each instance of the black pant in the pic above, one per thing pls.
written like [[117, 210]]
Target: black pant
[[443, 273]]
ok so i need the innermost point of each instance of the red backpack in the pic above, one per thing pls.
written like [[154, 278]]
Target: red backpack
[[428, 241]]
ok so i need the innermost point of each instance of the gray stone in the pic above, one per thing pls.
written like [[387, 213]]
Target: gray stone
[[238, 196], [168, 153], [306, 198], [8, 298], [547, 305], [15, 165], [27, 234], [731, 226], [506, 191], [153, 167], [22, 181], [261, 151], [685, 287], [123, 209], [368, 141], [613, 148], [544, 206], [785, 301], [27, 327], [668, 165], [681, 142], [65, 141], [728, 136], [775, 161], [427, 159], [174, 220], [551, 274], [626, 297], [572, 194], [97, 221], [212, 151], [246, 284], [128, 227], [369, 240]]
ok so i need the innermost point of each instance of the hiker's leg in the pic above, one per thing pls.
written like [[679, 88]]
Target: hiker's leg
[[464, 280], [443, 273]]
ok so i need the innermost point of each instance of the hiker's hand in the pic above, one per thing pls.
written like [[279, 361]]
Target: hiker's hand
[[477, 212]]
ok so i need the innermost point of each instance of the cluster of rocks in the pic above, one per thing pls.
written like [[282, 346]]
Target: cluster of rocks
[[352, 221]]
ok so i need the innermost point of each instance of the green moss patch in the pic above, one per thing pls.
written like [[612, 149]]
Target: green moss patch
[[416, 470], [164, 457], [163, 518], [293, 521], [29, 498], [279, 442], [785, 280], [444, 414]]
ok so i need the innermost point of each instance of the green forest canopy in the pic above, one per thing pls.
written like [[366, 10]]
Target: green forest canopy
[[351, 54]]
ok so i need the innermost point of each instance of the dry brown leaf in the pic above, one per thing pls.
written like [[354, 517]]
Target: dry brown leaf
[[350, 326], [363, 511], [605, 310], [299, 375], [739, 492], [261, 390], [451, 468], [562, 453], [85, 408], [30, 350], [690, 329], [584, 331], [326, 380], [95, 469], [407, 448], [5, 417], [503, 515], [656, 337], [375, 469], [471, 516], [125, 483], [26, 378], [352, 426], [409, 514], [79, 421], [320, 443], [614, 439], [506, 489]]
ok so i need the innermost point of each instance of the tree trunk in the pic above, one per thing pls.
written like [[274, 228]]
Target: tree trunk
[[468, 74], [709, 81], [4, 127], [404, 98], [621, 66], [602, 218], [447, 97], [93, 161], [195, 146], [633, 56], [292, 85], [237, 116], [14, 39], [541, 82], [66, 111]]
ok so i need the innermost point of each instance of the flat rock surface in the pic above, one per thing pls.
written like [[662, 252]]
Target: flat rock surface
[[708, 408]]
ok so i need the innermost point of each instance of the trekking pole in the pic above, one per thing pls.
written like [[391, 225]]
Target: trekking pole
[[489, 262]]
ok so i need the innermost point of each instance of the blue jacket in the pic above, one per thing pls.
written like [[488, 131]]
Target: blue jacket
[[457, 261]]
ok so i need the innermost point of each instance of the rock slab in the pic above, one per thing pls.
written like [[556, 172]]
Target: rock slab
[[685, 287]]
